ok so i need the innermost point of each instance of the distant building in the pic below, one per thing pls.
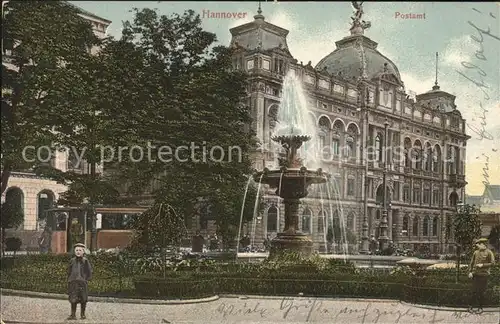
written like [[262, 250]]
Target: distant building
[[489, 201], [352, 92], [489, 204], [33, 193]]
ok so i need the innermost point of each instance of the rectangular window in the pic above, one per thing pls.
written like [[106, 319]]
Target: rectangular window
[[350, 187], [435, 197], [336, 146], [324, 84], [406, 194], [427, 196], [250, 64], [396, 191], [321, 143], [417, 196], [266, 64]]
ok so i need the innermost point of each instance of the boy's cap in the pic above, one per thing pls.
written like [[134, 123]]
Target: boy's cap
[[79, 245], [482, 240]]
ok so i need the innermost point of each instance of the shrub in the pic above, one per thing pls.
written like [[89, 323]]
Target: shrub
[[180, 287], [13, 244], [196, 278]]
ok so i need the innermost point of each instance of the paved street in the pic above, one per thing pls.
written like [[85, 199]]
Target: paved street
[[234, 310]]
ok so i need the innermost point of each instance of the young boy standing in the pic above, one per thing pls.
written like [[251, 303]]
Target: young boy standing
[[79, 273], [479, 271]]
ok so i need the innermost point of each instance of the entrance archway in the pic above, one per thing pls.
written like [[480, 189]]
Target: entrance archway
[[453, 199], [14, 202]]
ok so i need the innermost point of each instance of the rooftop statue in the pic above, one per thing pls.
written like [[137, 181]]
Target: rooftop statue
[[358, 25]]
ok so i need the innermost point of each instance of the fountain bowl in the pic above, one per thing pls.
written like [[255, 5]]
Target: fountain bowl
[[291, 183]]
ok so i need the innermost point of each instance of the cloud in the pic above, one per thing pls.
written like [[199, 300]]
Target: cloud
[[306, 44], [459, 49]]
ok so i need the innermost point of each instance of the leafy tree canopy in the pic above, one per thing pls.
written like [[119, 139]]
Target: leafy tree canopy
[[179, 95], [37, 77], [467, 227]]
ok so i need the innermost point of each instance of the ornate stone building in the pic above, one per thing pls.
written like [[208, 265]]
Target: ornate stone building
[[33, 193], [353, 92]]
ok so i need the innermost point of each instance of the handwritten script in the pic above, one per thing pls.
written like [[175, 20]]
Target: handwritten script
[[480, 116], [306, 310]]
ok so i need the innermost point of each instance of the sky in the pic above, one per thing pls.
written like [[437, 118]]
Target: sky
[[466, 36]]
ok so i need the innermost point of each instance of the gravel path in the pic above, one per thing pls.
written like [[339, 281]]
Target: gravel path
[[234, 310]]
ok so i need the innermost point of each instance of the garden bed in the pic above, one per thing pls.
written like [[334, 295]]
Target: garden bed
[[115, 277]]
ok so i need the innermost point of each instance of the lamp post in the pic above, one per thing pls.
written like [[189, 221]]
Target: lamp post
[[383, 239], [365, 243]]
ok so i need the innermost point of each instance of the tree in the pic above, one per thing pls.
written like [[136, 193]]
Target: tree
[[466, 229], [494, 237], [158, 227], [12, 213], [181, 95], [47, 43]]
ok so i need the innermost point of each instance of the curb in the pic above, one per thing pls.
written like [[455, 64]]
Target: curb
[[392, 301], [34, 294]]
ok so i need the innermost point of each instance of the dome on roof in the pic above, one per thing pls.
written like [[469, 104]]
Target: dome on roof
[[357, 56]]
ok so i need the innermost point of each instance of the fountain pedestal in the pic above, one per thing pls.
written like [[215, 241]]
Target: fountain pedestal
[[297, 242], [291, 182], [291, 239]]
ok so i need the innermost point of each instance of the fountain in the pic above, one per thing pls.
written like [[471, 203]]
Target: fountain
[[292, 178]]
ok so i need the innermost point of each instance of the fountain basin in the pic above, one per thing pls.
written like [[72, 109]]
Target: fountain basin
[[291, 183]]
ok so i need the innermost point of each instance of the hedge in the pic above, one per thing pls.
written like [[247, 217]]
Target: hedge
[[116, 276]]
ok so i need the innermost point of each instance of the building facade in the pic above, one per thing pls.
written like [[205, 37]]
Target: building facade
[[33, 193], [353, 93]]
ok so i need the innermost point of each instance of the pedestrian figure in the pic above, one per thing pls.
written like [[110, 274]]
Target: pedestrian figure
[[45, 240], [79, 273], [76, 231], [479, 271]]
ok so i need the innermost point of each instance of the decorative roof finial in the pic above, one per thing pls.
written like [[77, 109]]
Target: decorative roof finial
[[259, 13], [436, 86], [358, 26]]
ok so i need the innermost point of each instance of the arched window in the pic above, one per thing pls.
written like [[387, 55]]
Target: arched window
[[306, 221], [14, 201], [273, 119], [451, 160], [436, 158], [351, 140], [426, 224], [321, 221], [272, 219], [338, 129], [406, 225], [458, 164], [428, 158], [453, 199], [378, 147], [415, 225], [435, 222], [351, 221], [417, 155], [407, 152]]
